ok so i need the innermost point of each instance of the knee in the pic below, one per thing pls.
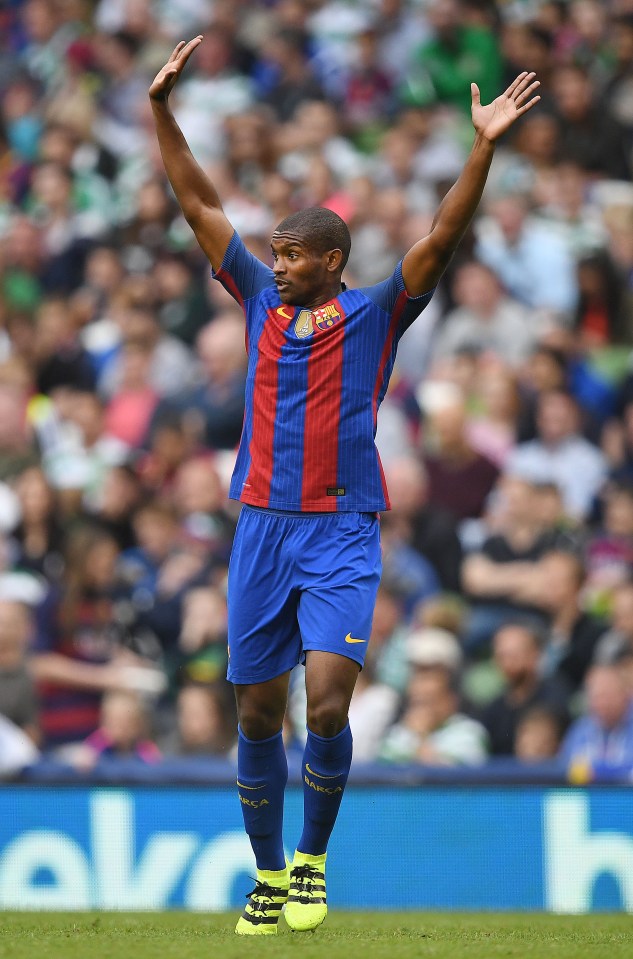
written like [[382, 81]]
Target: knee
[[259, 721], [327, 719]]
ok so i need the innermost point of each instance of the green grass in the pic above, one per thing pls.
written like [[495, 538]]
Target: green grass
[[344, 936]]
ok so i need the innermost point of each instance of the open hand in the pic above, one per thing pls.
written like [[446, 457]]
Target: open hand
[[166, 77], [494, 119]]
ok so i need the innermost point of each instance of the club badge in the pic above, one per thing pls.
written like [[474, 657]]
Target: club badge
[[326, 317]]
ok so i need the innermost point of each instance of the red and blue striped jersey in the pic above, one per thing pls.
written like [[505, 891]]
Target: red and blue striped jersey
[[316, 379]]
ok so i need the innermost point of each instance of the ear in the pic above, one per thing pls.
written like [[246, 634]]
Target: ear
[[333, 261]]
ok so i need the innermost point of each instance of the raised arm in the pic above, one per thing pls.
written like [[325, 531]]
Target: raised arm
[[194, 190], [428, 258]]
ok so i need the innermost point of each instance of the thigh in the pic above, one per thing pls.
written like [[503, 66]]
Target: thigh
[[341, 573], [263, 630]]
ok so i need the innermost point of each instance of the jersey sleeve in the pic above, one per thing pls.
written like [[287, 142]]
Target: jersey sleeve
[[392, 297], [242, 274]]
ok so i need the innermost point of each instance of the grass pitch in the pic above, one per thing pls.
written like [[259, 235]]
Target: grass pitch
[[343, 936]]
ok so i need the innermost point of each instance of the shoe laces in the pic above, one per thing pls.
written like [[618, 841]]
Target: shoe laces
[[304, 877], [263, 894]]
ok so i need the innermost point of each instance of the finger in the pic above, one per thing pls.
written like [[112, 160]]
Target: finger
[[176, 51], [514, 84], [528, 106], [475, 94], [188, 49], [527, 79], [528, 92]]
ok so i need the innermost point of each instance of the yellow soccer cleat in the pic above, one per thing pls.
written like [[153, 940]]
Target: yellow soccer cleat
[[307, 905], [265, 902]]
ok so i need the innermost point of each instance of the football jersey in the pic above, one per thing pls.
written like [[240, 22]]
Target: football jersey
[[315, 381]]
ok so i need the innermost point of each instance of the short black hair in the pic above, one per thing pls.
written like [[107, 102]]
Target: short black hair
[[321, 229]]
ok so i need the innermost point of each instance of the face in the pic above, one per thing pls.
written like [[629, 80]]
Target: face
[[199, 717], [622, 616], [556, 418], [537, 739], [516, 653], [122, 718], [302, 274], [619, 514], [607, 696], [429, 692], [14, 634], [35, 495]]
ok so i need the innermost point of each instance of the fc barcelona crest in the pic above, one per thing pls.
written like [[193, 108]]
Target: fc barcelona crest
[[304, 326], [326, 317]]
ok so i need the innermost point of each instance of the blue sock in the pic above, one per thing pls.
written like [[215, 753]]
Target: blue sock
[[325, 770], [262, 774]]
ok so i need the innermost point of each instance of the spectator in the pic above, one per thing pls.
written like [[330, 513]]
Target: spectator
[[77, 653], [216, 406], [123, 729], [203, 636], [560, 454], [18, 697], [603, 738], [200, 502], [486, 319], [130, 409], [532, 263], [574, 633], [39, 536], [431, 730], [460, 478], [609, 551], [589, 136], [17, 750], [204, 722], [538, 736], [517, 652], [458, 54], [618, 640], [500, 576], [430, 530]]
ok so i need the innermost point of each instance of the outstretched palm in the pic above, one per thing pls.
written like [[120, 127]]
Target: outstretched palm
[[494, 119], [166, 77]]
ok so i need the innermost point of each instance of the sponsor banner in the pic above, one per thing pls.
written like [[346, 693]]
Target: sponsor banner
[[488, 848]]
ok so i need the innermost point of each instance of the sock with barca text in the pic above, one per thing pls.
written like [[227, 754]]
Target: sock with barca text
[[326, 764], [262, 774]]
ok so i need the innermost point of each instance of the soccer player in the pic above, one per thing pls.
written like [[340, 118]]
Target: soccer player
[[305, 564]]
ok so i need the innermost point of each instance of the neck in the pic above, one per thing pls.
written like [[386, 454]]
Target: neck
[[324, 295], [522, 689]]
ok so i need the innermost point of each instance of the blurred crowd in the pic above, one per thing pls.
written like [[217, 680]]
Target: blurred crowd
[[504, 621]]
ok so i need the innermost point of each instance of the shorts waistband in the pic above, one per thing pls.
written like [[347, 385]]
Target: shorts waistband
[[305, 514], [297, 514]]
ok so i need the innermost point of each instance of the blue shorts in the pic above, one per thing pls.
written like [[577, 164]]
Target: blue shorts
[[300, 581]]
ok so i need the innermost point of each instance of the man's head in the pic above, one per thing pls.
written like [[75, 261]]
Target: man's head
[[220, 347], [477, 288], [310, 250], [433, 691], [15, 630], [622, 610], [618, 514], [557, 417], [517, 651], [408, 485], [607, 696]]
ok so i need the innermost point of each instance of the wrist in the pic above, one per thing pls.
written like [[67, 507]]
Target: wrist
[[160, 102], [483, 142]]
